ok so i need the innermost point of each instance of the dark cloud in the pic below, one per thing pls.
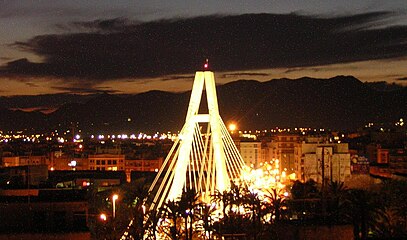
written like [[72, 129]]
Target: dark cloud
[[30, 84], [402, 79], [118, 48], [302, 69], [5, 58], [176, 77], [99, 26], [85, 90], [245, 74]]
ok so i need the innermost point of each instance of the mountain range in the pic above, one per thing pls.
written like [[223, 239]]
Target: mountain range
[[341, 103]]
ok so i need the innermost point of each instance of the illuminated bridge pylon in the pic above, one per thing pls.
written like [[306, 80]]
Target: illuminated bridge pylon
[[204, 157]]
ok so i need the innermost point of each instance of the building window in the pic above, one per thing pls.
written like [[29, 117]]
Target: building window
[[98, 162], [114, 162], [103, 162], [109, 162]]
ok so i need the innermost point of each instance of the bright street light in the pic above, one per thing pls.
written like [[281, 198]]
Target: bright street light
[[114, 198], [103, 217], [232, 127], [144, 209]]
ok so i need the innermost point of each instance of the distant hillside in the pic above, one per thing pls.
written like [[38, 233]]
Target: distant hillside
[[342, 102]]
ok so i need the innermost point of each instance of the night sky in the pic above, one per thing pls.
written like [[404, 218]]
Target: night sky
[[135, 46]]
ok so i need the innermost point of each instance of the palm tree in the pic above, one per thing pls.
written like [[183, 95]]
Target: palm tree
[[255, 205], [204, 215], [305, 190], [222, 199], [135, 193], [336, 196], [236, 196], [171, 211], [361, 211], [134, 196], [152, 219], [277, 202], [188, 205], [233, 220], [389, 224], [391, 220]]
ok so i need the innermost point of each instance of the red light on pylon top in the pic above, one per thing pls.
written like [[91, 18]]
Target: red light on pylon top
[[206, 65]]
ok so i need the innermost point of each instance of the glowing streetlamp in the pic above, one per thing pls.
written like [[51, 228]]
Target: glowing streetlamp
[[232, 127], [114, 198], [144, 209], [103, 217]]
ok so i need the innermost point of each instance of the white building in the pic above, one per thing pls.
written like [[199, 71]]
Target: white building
[[251, 153], [316, 160]]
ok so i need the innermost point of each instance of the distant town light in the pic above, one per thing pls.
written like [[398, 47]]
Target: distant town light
[[72, 163]]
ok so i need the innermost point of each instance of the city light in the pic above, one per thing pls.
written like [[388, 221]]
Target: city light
[[232, 127], [265, 178], [103, 217], [72, 163], [114, 198]]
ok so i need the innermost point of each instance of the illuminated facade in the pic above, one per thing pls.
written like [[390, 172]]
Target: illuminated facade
[[382, 155], [142, 165], [106, 162], [251, 153], [60, 161], [282, 148], [10, 161], [14, 161], [310, 157]]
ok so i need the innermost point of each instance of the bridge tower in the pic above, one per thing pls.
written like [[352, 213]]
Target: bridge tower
[[204, 157]]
